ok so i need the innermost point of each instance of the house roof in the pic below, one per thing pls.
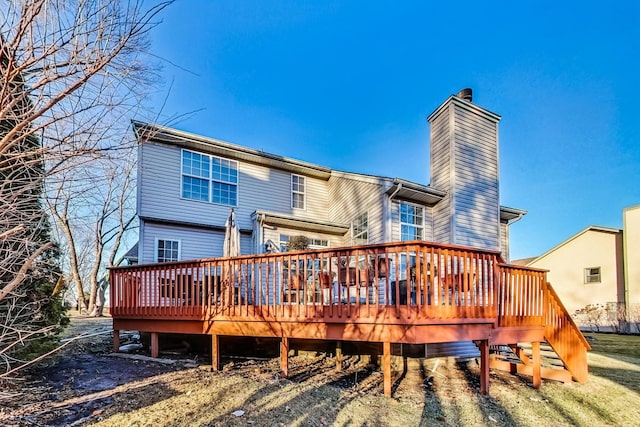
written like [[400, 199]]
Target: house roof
[[166, 135], [522, 261], [511, 215], [131, 255], [413, 192], [398, 188], [595, 228]]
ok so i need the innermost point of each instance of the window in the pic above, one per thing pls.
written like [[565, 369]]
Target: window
[[225, 181], [592, 275], [167, 250], [195, 176], [209, 178], [360, 230], [411, 222], [284, 242], [314, 243], [297, 191], [318, 243]]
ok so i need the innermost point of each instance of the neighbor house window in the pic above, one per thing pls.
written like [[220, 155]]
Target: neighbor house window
[[209, 178], [298, 191], [360, 230], [167, 250], [411, 222], [592, 275]]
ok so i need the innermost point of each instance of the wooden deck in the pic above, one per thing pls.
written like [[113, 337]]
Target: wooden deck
[[410, 292]]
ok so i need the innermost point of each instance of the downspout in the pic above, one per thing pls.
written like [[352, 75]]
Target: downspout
[[389, 216]]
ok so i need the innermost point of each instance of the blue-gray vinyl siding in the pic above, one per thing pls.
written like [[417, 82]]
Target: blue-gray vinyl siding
[[351, 198], [441, 175], [259, 188], [504, 241], [476, 198], [464, 162], [195, 242]]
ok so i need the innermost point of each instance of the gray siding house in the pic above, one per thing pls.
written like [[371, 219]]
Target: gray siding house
[[187, 184]]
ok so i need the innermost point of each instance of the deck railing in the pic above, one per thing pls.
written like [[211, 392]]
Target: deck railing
[[412, 280], [522, 296], [404, 283], [409, 280]]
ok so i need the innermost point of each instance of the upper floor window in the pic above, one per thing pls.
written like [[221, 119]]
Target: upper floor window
[[298, 191], [360, 230], [592, 275], [209, 178], [411, 222], [167, 250]]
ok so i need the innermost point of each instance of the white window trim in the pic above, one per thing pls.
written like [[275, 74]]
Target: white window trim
[[183, 174], [400, 223], [155, 247], [211, 180], [353, 236], [304, 192]]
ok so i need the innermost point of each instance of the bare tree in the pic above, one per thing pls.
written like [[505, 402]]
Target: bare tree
[[70, 71], [93, 213]]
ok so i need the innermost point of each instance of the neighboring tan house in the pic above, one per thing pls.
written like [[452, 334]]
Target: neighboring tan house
[[187, 184], [596, 272]]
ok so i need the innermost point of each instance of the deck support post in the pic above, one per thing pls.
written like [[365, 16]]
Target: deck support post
[[338, 356], [215, 352], [484, 366], [513, 368], [386, 367], [116, 340], [535, 356], [155, 349], [284, 357]]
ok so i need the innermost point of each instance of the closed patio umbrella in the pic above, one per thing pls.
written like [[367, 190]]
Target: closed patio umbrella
[[231, 237], [231, 248]]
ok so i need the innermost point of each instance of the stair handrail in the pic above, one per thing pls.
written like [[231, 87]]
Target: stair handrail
[[574, 326], [573, 356]]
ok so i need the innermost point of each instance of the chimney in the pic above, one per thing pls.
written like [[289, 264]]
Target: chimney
[[466, 94], [464, 163]]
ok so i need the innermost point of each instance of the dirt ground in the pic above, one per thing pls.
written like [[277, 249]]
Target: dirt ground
[[86, 385]]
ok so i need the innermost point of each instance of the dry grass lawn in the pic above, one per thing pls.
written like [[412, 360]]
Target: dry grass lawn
[[433, 392]]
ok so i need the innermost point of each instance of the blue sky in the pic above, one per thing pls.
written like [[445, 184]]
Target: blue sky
[[349, 85]]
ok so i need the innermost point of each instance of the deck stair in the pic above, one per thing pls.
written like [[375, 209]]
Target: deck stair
[[549, 357], [520, 359]]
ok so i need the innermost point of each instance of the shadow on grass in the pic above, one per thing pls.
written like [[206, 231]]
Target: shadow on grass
[[572, 398], [489, 407], [313, 394], [83, 408], [432, 410], [625, 377]]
